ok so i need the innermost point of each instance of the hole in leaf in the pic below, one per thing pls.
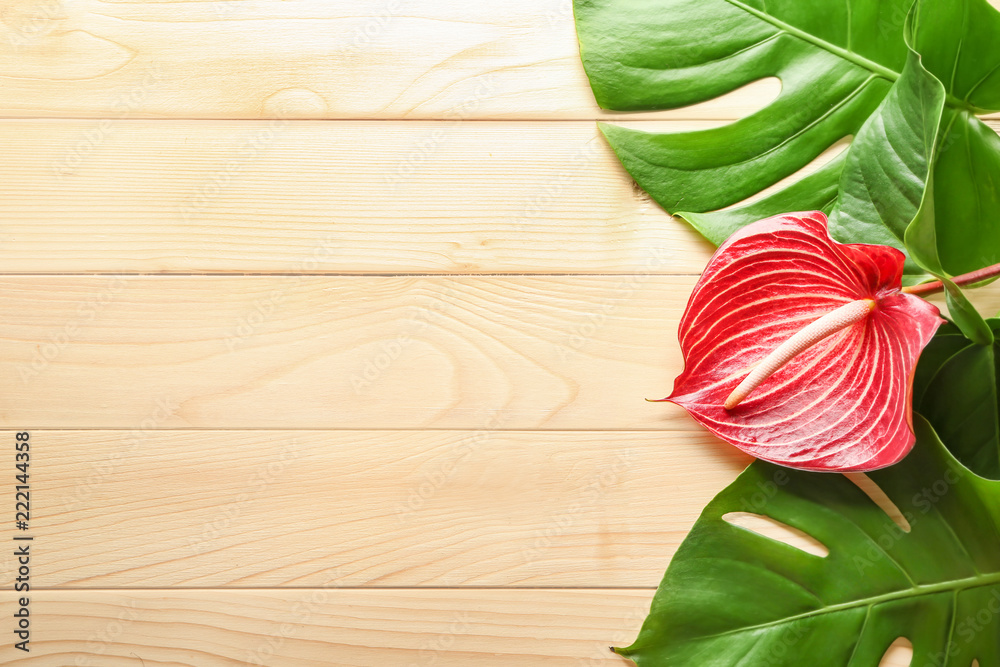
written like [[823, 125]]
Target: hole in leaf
[[777, 531], [900, 654], [740, 103], [975, 663], [871, 489]]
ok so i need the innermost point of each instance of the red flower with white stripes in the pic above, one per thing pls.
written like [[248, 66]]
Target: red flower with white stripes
[[800, 350]]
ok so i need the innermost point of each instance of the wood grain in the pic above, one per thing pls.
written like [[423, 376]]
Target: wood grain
[[220, 460], [318, 197], [339, 352], [327, 627], [360, 352], [324, 627], [120, 509], [346, 197], [310, 58]]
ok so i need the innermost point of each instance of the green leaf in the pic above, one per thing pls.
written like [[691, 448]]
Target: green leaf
[[967, 177], [956, 387], [958, 42], [887, 185], [816, 192], [965, 315], [734, 598], [888, 164], [921, 242], [957, 39], [947, 341], [837, 60]]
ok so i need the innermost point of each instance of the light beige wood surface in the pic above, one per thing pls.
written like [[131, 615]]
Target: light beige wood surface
[[406, 427], [559, 352], [326, 627], [321, 197], [446, 59], [340, 351], [161, 509], [298, 197]]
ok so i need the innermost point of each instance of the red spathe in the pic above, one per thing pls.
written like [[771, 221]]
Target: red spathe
[[842, 405]]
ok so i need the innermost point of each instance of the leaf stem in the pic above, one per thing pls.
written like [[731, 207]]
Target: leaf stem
[[964, 279]]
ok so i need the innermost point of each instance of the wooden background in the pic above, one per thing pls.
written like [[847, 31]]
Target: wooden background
[[332, 323]]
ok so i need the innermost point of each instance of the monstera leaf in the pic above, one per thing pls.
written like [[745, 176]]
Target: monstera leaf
[[837, 60], [733, 597], [956, 388]]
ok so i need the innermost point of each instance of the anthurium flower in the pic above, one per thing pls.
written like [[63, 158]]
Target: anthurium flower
[[800, 350]]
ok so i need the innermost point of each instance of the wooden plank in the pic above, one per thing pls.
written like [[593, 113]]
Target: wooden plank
[[553, 352], [339, 352], [320, 627], [119, 509], [310, 58], [327, 627], [348, 197]]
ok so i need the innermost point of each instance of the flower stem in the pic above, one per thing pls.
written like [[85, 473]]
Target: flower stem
[[964, 279]]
